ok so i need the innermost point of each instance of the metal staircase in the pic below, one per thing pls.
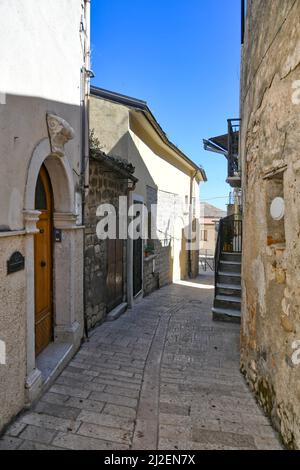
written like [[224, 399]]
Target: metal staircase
[[227, 301]]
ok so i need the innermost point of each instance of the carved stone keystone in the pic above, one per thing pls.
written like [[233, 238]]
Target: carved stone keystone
[[60, 132]]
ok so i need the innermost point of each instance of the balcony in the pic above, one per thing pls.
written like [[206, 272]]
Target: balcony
[[228, 145], [234, 176]]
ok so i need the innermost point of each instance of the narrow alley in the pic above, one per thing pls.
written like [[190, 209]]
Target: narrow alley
[[162, 376]]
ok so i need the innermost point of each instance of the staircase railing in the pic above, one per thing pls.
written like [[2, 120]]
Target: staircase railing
[[233, 147], [230, 238]]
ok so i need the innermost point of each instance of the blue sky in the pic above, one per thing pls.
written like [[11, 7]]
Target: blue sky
[[183, 58]]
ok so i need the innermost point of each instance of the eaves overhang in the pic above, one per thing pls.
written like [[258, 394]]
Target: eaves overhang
[[141, 106]]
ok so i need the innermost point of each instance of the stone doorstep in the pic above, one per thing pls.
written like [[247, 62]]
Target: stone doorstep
[[52, 361], [116, 312]]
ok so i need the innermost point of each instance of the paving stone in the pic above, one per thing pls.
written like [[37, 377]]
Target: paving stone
[[175, 432], [89, 386], [145, 434], [174, 409], [16, 429], [111, 376], [174, 420], [103, 419], [73, 392], [60, 411], [30, 445], [223, 438], [122, 411], [55, 398], [89, 405], [50, 422], [163, 376], [37, 434], [114, 399], [106, 433], [80, 378], [10, 443], [116, 383], [267, 443], [76, 442], [122, 391]]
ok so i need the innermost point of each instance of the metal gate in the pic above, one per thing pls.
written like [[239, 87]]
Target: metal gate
[[114, 280]]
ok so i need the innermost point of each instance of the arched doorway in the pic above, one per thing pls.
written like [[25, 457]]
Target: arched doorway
[[43, 262], [63, 285]]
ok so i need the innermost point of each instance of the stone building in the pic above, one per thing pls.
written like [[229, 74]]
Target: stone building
[[270, 142], [126, 129], [209, 231], [105, 260], [44, 83]]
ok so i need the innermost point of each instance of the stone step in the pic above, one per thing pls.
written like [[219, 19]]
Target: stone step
[[226, 315], [225, 277], [228, 287], [117, 312], [230, 266], [229, 298], [231, 256], [228, 301]]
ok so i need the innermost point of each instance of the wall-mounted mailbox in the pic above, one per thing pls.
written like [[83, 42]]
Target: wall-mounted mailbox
[[57, 235], [15, 263]]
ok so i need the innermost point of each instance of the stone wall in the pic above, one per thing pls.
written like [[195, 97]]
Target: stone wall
[[151, 276], [270, 142], [105, 187]]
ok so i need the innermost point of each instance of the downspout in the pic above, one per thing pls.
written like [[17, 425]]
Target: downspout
[[85, 138], [190, 273]]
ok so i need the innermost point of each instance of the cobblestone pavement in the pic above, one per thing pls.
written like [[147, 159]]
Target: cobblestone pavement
[[163, 376]]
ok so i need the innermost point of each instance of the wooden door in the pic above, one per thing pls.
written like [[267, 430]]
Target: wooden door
[[43, 263]]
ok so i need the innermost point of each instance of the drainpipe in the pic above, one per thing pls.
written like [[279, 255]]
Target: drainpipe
[[190, 273], [85, 137]]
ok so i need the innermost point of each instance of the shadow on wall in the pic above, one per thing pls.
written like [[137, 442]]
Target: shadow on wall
[[168, 267], [23, 130], [158, 268]]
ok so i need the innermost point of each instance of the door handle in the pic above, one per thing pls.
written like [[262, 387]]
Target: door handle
[[43, 264]]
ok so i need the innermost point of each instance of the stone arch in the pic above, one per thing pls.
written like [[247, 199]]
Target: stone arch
[[67, 329], [60, 174]]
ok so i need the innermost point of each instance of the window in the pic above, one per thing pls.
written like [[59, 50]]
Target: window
[[204, 235], [40, 195]]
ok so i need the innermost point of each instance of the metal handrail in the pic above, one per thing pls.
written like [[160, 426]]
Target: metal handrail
[[218, 251], [229, 240], [233, 146]]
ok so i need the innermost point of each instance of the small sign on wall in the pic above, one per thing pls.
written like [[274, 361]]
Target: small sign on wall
[[15, 263]]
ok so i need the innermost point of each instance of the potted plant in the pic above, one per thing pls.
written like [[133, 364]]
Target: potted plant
[[148, 250]]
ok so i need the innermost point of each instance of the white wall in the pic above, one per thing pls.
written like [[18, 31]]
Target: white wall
[[37, 53], [41, 57]]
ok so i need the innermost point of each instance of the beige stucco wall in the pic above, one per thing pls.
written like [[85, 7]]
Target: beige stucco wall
[[110, 123], [210, 244], [12, 331], [121, 133], [270, 112]]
